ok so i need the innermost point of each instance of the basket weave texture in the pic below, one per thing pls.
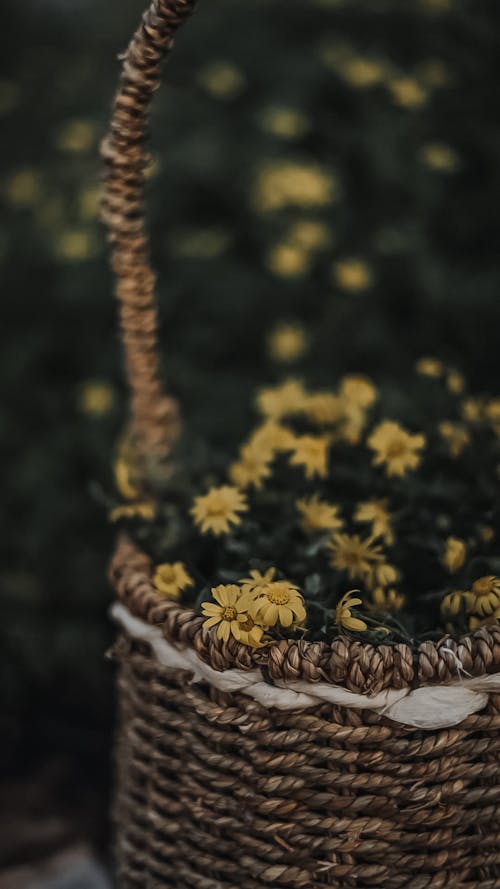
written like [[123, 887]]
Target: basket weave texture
[[213, 790]]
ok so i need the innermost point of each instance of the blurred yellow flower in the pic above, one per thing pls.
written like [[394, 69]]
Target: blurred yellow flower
[[352, 274], [23, 188], [429, 367], [395, 448], [89, 202], [343, 614], [318, 515], [383, 574], [171, 579], [455, 382], [96, 397], [440, 157], [387, 600], [475, 623], [486, 533], [456, 437], [221, 79], [278, 602], [455, 603], [249, 633], [285, 122], [76, 245], [486, 592], [311, 452], [282, 184], [407, 92], [310, 235], [324, 408], [144, 510], [360, 390], [226, 612], [283, 400], [252, 467], [454, 555], [287, 260], [377, 513], [355, 556], [288, 342], [473, 410], [257, 583], [273, 436], [77, 136], [123, 473], [217, 510], [360, 72]]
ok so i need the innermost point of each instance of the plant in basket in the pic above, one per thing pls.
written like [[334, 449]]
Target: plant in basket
[[309, 647]]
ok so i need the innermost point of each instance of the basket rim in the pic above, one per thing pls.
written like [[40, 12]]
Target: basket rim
[[355, 665]]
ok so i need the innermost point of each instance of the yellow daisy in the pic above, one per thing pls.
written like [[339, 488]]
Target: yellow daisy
[[318, 515], [473, 410], [455, 382], [218, 509], [343, 615], [455, 602], [311, 452], [396, 448], [252, 467], [407, 92], [272, 436], [377, 513], [387, 600], [456, 437], [353, 423], [360, 390], [475, 623], [140, 510], [278, 602], [454, 554], [288, 342], [284, 400], [486, 592], [227, 614], [324, 408], [384, 575], [287, 184], [170, 579], [355, 556], [429, 367], [257, 583], [250, 633], [352, 274]]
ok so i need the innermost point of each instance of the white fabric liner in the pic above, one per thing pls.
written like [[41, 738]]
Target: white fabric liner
[[429, 707]]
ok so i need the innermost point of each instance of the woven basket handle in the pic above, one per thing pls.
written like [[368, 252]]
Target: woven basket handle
[[154, 416]]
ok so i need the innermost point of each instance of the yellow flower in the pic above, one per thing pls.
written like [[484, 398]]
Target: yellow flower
[[23, 188], [383, 575], [352, 274], [407, 92], [324, 408], [284, 400], [429, 367], [492, 620], [221, 79], [287, 260], [440, 157], [361, 73], [310, 235], [272, 436], [455, 603], [171, 578], [311, 452], [472, 410], [281, 184], [76, 244], [376, 512], [218, 509], [144, 510], [387, 600], [257, 583], [487, 533], [492, 410], [454, 554], [456, 437], [287, 123], [250, 633], [353, 422], [77, 136], [123, 479], [359, 390], [395, 448], [277, 602], [252, 467], [288, 342], [486, 592], [343, 615], [318, 515], [96, 398], [228, 613], [455, 382], [355, 556]]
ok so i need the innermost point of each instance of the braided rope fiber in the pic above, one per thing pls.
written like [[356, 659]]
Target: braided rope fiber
[[216, 792]]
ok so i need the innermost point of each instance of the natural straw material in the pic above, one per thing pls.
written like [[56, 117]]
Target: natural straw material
[[214, 791]]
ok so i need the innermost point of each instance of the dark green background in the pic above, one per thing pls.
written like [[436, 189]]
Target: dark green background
[[430, 238]]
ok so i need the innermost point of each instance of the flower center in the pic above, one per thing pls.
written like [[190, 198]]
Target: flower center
[[229, 613], [396, 449], [278, 597]]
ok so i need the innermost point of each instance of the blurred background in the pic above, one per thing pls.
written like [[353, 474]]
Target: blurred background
[[325, 173]]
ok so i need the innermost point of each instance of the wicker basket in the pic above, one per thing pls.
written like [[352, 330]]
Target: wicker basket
[[300, 764]]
